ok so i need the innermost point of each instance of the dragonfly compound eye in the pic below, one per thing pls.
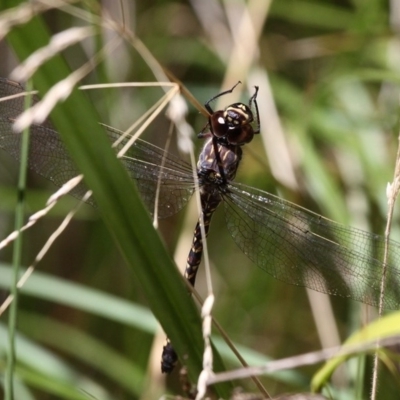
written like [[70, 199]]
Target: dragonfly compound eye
[[218, 124]]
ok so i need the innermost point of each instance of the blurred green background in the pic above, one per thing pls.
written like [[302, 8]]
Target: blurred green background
[[328, 73]]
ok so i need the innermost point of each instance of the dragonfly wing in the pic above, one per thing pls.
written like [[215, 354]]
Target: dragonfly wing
[[148, 165], [302, 248], [158, 175], [47, 154]]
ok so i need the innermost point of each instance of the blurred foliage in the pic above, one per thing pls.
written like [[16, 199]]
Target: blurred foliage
[[330, 71]]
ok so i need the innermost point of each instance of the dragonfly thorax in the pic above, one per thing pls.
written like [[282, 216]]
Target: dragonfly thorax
[[218, 168]]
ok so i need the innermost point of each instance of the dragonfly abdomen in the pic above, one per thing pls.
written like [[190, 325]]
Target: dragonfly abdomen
[[196, 250]]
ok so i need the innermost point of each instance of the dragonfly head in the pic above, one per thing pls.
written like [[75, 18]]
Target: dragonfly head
[[233, 124]]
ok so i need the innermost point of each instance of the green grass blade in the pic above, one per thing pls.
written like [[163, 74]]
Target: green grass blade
[[119, 205]]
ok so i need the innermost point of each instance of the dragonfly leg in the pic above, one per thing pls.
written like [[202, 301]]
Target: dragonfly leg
[[207, 105]]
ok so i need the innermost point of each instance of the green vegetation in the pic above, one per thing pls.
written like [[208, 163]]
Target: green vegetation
[[329, 76]]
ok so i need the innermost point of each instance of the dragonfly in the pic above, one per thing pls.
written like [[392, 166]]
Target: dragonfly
[[289, 242]]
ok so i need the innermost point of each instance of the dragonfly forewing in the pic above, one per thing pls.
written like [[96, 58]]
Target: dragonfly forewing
[[148, 165]]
